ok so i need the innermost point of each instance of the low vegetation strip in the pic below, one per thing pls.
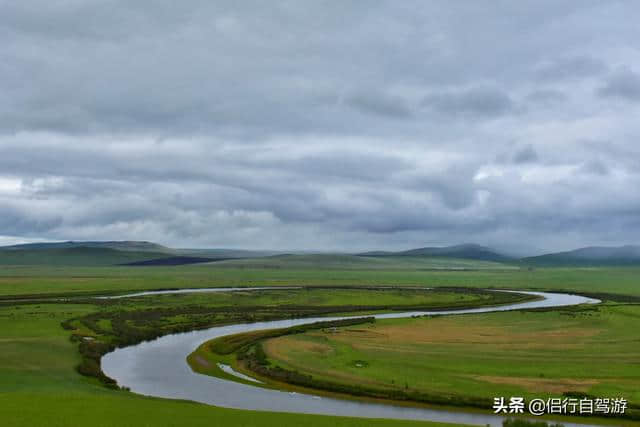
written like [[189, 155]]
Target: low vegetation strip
[[119, 323], [233, 343]]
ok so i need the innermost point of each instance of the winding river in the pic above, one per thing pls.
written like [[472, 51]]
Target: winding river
[[159, 368]]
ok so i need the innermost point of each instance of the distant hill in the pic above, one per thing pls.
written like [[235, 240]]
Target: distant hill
[[74, 256], [133, 246], [97, 253], [465, 256], [465, 251], [589, 256]]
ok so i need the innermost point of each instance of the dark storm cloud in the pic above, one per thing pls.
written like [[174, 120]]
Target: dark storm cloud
[[525, 155], [546, 97], [344, 164], [483, 102], [596, 167], [380, 104], [319, 124], [571, 68], [623, 84]]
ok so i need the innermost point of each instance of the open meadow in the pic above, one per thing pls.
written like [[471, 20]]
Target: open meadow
[[556, 353], [49, 280], [42, 308], [40, 384]]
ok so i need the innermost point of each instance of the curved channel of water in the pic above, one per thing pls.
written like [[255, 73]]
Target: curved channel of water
[[159, 368], [198, 290]]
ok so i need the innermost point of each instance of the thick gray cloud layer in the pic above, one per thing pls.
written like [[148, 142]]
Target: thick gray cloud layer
[[327, 125]]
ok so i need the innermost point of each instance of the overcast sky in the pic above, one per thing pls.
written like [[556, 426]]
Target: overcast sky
[[321, 124]]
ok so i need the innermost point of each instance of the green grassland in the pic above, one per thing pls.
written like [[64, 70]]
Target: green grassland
[[531, 354], [121, 322], [86, 280], [39, 384], [82, 407], [353, 262], [305, 298]]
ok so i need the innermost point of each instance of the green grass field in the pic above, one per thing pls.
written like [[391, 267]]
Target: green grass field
[[531, 354], [310, 297], [353, 262], [51, 280], [39, 384], [80, 407]]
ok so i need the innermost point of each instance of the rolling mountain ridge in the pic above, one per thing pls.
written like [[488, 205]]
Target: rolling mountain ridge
[[464, 251], [144, 253], [592, 255]]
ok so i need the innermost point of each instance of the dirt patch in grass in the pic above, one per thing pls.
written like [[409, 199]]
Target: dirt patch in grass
[[556, 385], [202, 362], [280, 347]]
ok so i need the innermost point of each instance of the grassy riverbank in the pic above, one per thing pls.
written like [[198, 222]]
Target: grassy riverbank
[[122, 322], [472, 358], [39, 383]]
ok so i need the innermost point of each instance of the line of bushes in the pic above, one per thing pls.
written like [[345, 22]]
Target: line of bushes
[[129, 327], [92, 351], [126, 329]]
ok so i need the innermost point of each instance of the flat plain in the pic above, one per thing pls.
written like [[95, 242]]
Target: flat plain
[[38, 360], [531, 354]]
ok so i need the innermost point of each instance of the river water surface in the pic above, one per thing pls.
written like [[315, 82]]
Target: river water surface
[[159, 368]]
